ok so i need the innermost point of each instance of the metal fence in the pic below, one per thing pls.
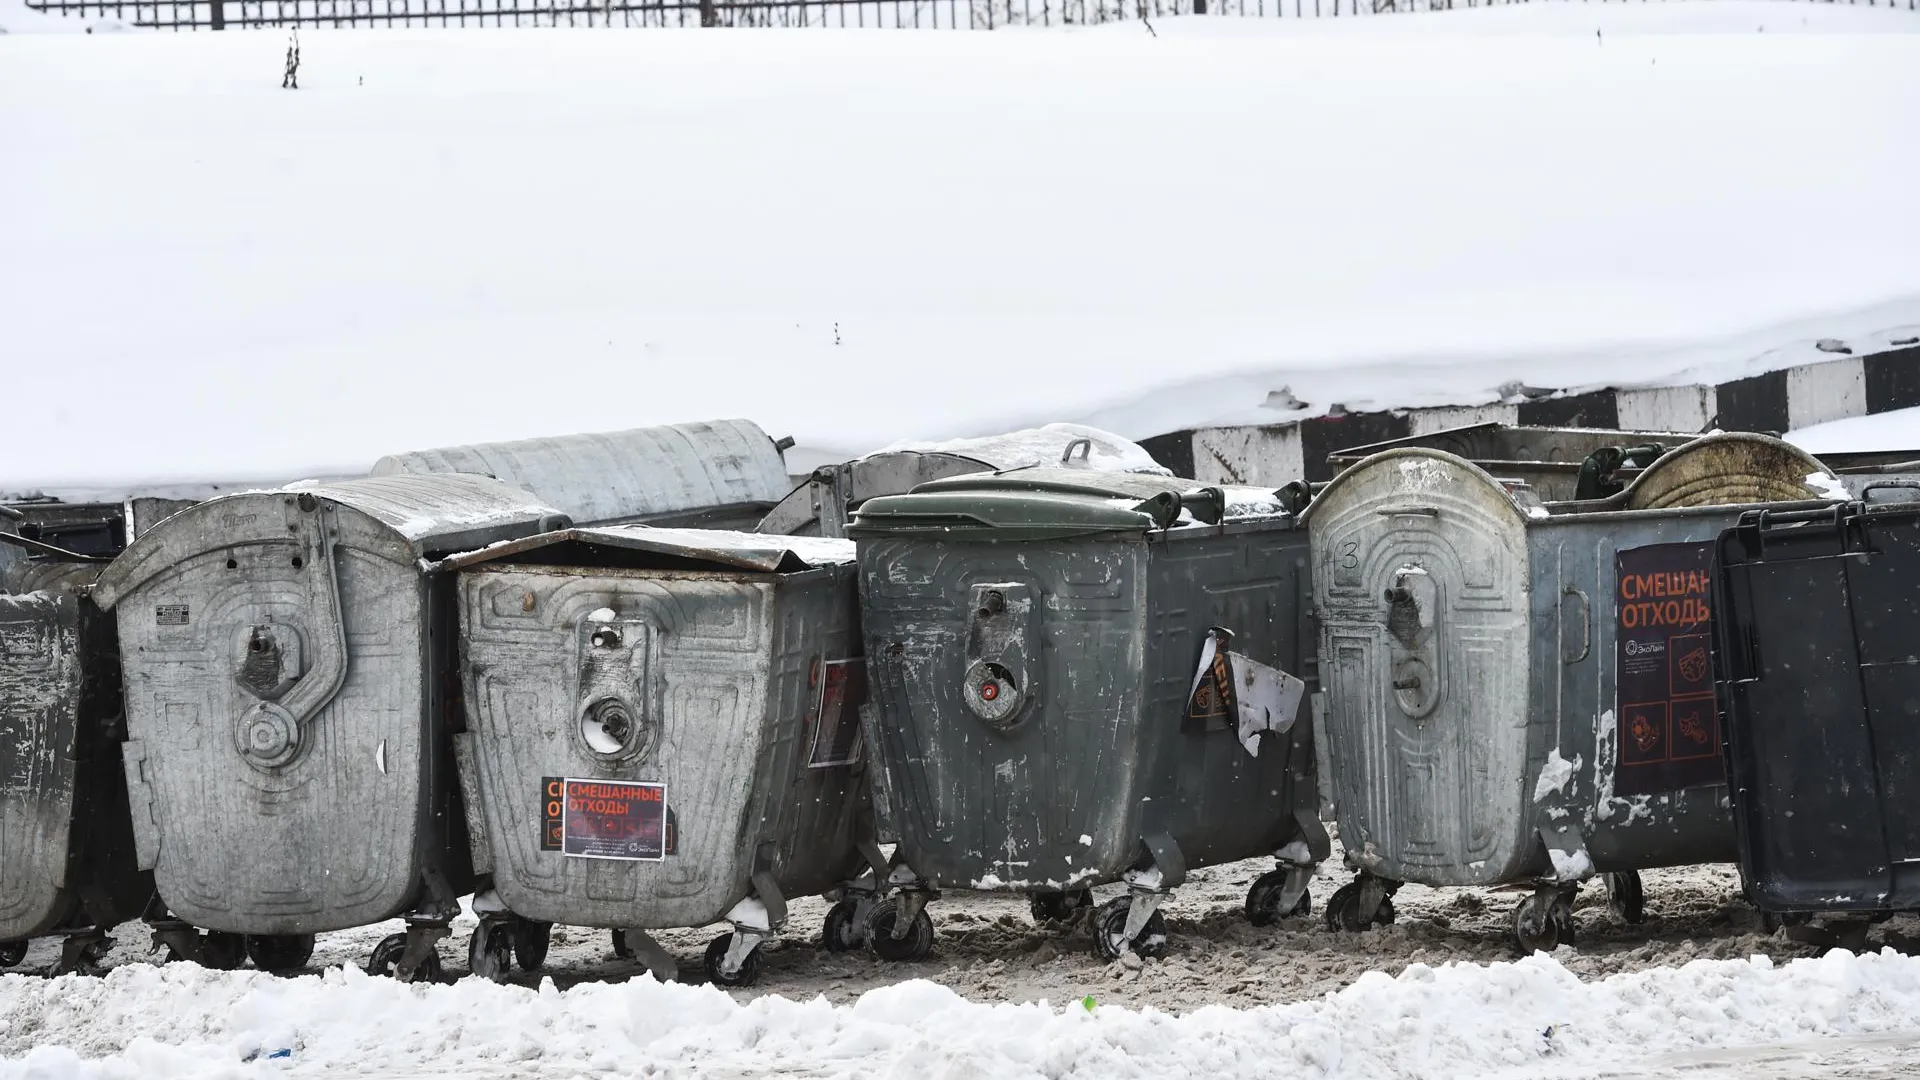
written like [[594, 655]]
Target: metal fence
[[901, 14]]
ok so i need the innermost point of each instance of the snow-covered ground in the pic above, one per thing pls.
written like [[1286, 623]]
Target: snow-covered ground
[[856, 238]]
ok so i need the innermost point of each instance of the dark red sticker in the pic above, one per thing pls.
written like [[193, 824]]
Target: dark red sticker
[[1668, 725]]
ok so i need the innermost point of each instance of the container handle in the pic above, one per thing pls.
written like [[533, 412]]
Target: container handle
[[1085, 446], [1586, 624], [1409, 511], [270, 732]]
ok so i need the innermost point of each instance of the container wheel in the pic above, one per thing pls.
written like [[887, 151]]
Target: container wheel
[[531, 940], [916, 945], [12, 953], [1110, 928], [222, 951], [1625, 896], [280, 952], [386, 957], [1341, 916], [842, 932], [490, 951], [620, 947], [1059, 907], [1263, 900], [717, 951], [1542, 924]]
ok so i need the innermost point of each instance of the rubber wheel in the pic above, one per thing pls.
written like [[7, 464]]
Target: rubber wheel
[[1110, 927], [841, 932], [717, 951], [386, 957], [280, 952], [12, 954], [1263, 900], [531, 940], [222, 951], [93, 957], [490, 952], [1541, 927], [1341, 916], [916, 945], [1059, 907], [620, 947], [1626, 898]]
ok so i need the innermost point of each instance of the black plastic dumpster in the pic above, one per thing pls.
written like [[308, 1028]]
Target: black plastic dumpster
[[1072, 673], [1817, 628]]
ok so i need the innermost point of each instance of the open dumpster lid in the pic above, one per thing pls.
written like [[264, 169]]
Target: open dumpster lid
[[601, 546], [1054, 503]]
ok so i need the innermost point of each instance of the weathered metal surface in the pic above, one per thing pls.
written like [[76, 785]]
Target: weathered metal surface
[[1726, 469], [711, 662], [1471, 652], [66, 858], [1815, 626], [1068, 776], [1547, 459], [822, 505], [289, 661], [726, 473]]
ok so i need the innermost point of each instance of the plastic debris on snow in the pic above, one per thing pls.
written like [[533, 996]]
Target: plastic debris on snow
[[187, 1022]]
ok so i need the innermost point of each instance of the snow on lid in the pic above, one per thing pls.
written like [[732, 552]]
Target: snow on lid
[[1828, 486], [1243, 503], [1044, 446]]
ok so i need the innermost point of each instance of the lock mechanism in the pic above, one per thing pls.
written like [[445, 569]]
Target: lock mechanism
[[997, 684]]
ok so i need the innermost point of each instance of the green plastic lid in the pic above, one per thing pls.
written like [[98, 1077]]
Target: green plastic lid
[[1026, 504]]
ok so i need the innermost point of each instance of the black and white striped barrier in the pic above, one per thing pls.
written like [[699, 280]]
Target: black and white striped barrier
[[1776, 402]]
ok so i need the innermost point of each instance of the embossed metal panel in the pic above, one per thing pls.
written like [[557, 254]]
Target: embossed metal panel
[[284, 652], [1421, 586], [704, 680]]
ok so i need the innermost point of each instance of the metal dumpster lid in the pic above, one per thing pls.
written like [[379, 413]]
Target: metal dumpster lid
[[747, 551], [606, 477], [428, 514], [1498, 444]]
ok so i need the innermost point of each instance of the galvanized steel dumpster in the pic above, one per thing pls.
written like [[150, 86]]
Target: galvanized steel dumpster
[[66, 844], [1817, 620], [1557, 463], [663, 732], [290, 679], [1048, 711], [1522, 692], [720, 474]]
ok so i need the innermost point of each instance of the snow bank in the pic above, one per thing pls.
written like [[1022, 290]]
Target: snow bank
[[861, 238], [183, 1021], [17, 18], [1897, 430]]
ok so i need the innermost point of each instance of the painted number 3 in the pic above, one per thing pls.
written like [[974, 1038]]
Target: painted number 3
[[1349, 555]]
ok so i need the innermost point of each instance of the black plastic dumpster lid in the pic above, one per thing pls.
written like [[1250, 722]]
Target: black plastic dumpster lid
[[1031, 504], [720, 548]]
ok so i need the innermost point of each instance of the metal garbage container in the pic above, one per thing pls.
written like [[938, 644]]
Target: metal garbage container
[[1518, 691], [1557, 463], [1081, 677], [67, 866], [718, 474], [663, 732], [1816, 625], [291, 679]]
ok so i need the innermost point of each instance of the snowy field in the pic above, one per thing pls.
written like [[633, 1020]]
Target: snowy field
[[855, 238]]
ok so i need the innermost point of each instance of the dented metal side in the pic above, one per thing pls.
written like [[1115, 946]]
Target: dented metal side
[[709, 684], [66, 858], [1523, 693], [289, 689], [1081, 760], [641, 474]]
